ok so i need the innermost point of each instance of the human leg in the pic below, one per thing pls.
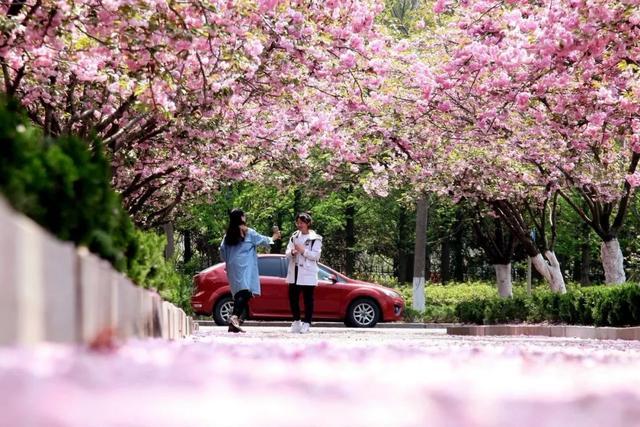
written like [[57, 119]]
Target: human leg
[[294, 300], [294, 303], [240, 304], [308, 297]]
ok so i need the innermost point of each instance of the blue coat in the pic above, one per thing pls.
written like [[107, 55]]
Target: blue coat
[[242, 262]]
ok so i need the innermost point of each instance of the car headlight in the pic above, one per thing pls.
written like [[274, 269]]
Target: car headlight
[[390, 293]]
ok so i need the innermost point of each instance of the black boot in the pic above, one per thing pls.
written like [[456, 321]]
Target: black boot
[[234, 325]]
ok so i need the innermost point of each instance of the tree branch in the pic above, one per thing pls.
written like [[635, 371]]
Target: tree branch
[[116, 114], [136, 205], [136, 184], [624, 202], [163, 213]]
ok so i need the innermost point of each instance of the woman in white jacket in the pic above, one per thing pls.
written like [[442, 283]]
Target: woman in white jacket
[[303, 254]]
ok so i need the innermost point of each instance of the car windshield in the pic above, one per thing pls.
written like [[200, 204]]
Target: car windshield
[[324, 273], [277, 267], [268, 266]]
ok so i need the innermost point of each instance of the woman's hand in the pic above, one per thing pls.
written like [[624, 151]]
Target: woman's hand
[[299, 249]]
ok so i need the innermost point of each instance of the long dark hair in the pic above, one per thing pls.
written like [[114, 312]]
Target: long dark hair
[[234, 236]]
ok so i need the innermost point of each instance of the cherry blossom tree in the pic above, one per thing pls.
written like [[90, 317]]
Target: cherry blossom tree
[[563, 77], [530, 100], [188, 94], [498, 244], [507, 103], [434, 126]]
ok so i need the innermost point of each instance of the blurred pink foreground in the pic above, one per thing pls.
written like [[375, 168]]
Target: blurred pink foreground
[[332, 377]]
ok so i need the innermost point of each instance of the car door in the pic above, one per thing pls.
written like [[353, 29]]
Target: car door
[[328, 295], [274, 298]]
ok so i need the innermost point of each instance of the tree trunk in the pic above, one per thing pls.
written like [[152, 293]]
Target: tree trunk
[[350, 239], [550, 271], [610, 252], [170, 249], [557, 281], [403, 268], [445, 261], [402, 261], [427, 263], [585, 261], [458, 248], [188, 252], [498, 244], [503, 276], [419, 253], [612, 262], [549, 268]]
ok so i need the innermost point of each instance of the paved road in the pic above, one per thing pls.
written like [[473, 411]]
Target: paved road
[[331, 377]]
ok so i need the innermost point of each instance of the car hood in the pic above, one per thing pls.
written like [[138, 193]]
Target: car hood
[[361, 283]]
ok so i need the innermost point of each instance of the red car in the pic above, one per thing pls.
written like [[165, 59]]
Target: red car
[[337, 297]]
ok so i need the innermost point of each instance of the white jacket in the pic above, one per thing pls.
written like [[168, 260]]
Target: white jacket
[[307, 261]]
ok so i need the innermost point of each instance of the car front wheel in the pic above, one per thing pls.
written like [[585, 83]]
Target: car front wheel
[[363, 313], [222, 310]]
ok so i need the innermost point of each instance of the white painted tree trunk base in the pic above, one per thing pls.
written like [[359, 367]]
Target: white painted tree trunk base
[[418, 294], [612, 262], [557, 281], [550, 271], [503, 277]]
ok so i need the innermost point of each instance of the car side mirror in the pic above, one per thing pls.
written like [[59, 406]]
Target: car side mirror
[[333, 278]]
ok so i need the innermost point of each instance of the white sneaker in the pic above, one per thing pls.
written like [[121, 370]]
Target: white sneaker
[[295, 327], [305, 328]]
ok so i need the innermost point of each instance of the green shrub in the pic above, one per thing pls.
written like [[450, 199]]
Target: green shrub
[[505, 310], [458, 292], [439, 314], [149, 266], [614, 305], [21, 160], [479, 303], [180, 293], [471, 311], [64, 184]]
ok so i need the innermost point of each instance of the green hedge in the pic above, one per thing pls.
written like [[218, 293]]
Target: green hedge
[[479, 303], [64, 184]]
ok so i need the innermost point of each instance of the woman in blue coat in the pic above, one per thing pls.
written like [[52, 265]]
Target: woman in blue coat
[[238, 250]]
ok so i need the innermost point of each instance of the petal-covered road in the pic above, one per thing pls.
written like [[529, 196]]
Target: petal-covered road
[[332, 377]]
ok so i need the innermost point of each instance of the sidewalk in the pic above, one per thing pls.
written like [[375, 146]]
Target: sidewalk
[[558, 331], [393, 325]]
